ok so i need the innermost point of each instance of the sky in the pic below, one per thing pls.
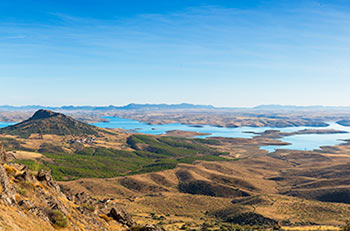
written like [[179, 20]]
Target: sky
[[234, 53]]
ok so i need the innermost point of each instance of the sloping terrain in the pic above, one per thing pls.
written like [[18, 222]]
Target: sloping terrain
[[32, 200], [139, 154], [179, 183], [229, 191], [48, 122]]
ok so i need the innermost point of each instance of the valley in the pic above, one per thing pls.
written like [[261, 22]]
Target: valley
[[178, 115], [177, 182]]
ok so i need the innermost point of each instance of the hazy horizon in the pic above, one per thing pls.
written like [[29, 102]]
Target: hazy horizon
[[222, 53], [162, 103]]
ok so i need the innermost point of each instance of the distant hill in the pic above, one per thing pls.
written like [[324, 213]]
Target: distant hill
[[131, 106], [295, 107], [49, 122], [141, 107]]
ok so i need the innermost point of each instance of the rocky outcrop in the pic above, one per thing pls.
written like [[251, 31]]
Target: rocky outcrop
[[2, 154], [45, 176], [121, 216], [7, 190], [151, 228], [36, 194]]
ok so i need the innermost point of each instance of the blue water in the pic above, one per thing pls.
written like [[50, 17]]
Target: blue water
[[5, 124], [298, 142], [312, 141]]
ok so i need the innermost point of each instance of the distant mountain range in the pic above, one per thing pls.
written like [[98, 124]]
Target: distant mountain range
[[131, 106], [141, 107]]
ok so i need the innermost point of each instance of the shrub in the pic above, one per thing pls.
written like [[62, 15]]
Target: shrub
[[21, 191], [58, 219], [135, 228], [346, 227], [88, 206]]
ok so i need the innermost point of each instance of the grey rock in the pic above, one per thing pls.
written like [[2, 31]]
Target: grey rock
[[121, 216], [26, 204], [8, 192], [45, 176], [151, 228], [2, 154]]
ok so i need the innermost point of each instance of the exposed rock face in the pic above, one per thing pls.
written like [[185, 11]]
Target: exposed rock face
[[121, 216], [2, 154], [7, 191], [38, 196], [46, 176], [151, 228], [88, 205]]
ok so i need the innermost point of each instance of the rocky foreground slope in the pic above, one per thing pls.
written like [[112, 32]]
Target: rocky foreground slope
[[34, 201]]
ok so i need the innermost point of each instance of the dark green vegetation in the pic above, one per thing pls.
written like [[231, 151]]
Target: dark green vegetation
[[11, 143], [201, 187], [48, 122], [150, 154], [58, 219]]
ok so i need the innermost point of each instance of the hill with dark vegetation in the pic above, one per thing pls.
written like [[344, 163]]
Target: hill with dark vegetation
[[49, 122]]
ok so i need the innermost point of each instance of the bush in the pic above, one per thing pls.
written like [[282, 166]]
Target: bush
[[21, 191], [58, 219], [346, 227], [89, 207], [136, 228]]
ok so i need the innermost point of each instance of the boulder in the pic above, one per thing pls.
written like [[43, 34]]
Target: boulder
[[45, 176], [121, 216], [8, 192], [151, 228], [26, 204], [2, 154], [22, 174]]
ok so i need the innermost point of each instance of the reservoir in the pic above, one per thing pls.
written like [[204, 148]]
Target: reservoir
[[297, 142], [5, 124]]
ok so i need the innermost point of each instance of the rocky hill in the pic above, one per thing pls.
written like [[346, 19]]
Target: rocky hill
[[32, 200], [49, 122]]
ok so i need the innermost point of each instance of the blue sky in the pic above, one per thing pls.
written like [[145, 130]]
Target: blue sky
[[225, 53]]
